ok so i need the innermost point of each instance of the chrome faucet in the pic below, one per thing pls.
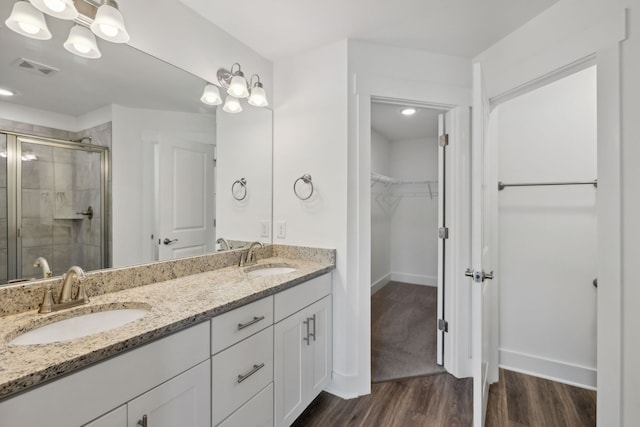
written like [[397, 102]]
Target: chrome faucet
[[248, 257], [64, 301], [46, 271], [224, 245]]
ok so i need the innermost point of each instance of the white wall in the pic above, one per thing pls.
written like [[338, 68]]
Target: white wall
[[547, 245], [414, 222], [132, 174], [380, 214], [244, 151], [171, 31], [310, 137], [37, 117]]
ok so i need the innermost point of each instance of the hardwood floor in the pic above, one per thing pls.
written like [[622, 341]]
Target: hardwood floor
[[441, 400], [519, 400], [436, 400]]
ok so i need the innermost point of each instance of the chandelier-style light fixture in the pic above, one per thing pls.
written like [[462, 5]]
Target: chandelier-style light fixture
[[27, 18], [237, 88]]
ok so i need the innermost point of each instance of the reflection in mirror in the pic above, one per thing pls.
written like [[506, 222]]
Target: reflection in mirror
[[159, 150]]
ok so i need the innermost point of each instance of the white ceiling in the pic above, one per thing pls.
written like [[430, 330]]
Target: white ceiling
[[279, 29], [388, 122]]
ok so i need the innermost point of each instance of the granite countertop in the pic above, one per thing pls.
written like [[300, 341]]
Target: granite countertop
[[173, 305]]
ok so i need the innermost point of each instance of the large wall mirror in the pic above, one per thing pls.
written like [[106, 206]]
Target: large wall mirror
[[114, 161]]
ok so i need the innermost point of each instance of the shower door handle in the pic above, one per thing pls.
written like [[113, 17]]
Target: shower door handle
[[168, 241]]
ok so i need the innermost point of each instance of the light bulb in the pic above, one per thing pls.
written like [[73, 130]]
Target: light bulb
[[109, 30], [55, 5], [82, 47], [232, 105], [28, 28]]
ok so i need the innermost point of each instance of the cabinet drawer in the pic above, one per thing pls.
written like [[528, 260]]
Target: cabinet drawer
[[240, 372], [258, 412], [294, 299], [236, 325]]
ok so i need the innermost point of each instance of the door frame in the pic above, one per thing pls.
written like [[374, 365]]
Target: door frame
[[359, 222]]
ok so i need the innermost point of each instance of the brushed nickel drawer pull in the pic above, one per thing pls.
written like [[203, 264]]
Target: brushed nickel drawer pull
[[255, 369], [314, 326], [241, 326], [307, 339]]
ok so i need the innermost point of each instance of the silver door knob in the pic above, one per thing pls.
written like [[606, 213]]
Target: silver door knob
[[478, 276], [168, 241]]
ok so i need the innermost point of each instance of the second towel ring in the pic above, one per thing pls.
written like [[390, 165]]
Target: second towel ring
[[242, 182], [306, 178]]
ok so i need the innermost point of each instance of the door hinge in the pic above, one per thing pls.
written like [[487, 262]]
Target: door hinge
[[443, 232], [443, 140], [443, 325]]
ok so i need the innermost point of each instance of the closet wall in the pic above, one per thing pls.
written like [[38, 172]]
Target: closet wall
[[404, 216], [547, 242]]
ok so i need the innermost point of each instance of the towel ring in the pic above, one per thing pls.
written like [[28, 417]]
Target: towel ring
[[306, 178], [242, 182]]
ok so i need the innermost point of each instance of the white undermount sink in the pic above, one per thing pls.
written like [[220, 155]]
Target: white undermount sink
[[79, 326], [270, 271]]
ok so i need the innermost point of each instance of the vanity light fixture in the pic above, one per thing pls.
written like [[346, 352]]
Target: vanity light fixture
[[6, 92], [63, 9], [109, 23], [409, 111], [28, 21], [211, 95], [82, 42], [233, 80]]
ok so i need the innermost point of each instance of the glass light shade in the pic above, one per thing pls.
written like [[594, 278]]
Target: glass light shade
[[82, 42], [238, 87], [28, 21], [109, 25], [211, 95], [63, 9], [232, 105], [258, 97]]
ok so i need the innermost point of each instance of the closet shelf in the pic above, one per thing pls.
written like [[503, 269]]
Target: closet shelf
[[430, 188]]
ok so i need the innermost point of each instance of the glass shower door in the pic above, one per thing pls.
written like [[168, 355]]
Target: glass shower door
[[4, 236], [60, 204]]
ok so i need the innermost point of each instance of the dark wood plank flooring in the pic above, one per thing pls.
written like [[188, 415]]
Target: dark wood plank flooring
[[517, 400]]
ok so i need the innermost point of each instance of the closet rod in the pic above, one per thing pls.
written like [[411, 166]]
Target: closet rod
[[502, 185]]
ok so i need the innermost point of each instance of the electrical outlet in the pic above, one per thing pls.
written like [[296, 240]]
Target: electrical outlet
[[281, 227], [264, 229]]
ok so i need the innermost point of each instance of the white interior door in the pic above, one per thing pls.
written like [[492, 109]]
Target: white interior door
[[441, 238], [483, 212], [185, 197]]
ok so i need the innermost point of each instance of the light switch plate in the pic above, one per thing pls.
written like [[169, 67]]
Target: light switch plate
[[281, 227], [264, 229]]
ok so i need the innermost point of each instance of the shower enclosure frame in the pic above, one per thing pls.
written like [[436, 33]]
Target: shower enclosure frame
[[14, 194]]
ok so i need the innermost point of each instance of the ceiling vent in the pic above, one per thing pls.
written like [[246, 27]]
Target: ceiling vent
[[35, 67]]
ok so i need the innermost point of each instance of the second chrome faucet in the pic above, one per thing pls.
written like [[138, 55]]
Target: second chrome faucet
[[248, 257]]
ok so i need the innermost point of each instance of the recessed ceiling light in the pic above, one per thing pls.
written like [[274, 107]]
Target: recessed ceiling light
[[6, 92], [408, 111]]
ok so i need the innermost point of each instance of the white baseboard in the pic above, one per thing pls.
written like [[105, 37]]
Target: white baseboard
[[343, 386], [380, 283], [567, 373], [414, 279]]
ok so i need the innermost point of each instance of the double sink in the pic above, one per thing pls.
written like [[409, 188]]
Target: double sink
[[78, 323]]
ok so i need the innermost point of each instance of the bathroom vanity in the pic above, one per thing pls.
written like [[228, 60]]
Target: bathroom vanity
[[226, 347]]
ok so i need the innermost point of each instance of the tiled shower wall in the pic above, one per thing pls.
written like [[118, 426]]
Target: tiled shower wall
[[59, 184]]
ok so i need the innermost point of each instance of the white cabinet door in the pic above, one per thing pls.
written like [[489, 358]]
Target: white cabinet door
[[182, 401], [320, 353], [303, 359], [288, 365], [115, 418]]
